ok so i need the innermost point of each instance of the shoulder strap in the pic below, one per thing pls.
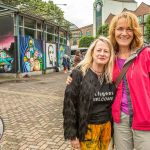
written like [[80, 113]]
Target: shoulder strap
[[125, 68], [122, 73]]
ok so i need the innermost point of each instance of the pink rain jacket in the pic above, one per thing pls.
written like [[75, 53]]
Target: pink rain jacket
[[138, 79]]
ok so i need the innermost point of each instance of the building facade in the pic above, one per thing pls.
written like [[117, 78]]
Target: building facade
[[29, 43], [142, 12], [79, 33]]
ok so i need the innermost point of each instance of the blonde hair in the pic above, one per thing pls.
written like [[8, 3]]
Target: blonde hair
[[86, 63], [132, 20]]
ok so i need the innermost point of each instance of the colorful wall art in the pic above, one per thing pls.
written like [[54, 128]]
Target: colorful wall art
[[61, 52], [7, 42], [50, 55], [31, 54]]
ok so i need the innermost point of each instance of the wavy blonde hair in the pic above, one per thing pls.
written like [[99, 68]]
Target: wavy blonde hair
[[132, 21], [86, 63]]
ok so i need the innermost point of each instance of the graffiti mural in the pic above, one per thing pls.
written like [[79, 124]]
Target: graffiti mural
[[31, 54], [7, 41], [50, 55], [61, 52]]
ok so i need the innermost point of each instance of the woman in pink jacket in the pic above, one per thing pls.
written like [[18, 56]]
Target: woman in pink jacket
[[131, 108]]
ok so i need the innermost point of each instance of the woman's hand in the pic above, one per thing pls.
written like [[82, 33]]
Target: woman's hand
[[69, 80], [75, 144]]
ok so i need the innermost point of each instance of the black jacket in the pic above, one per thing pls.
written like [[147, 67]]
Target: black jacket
[[77, 100]]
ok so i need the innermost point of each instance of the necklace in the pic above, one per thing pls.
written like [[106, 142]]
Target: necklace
[[97, 72], [100, 76]]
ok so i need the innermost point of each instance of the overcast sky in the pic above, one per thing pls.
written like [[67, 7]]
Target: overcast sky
[[80, 12]]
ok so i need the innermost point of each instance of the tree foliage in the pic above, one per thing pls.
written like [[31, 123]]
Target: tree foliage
[[103, 30], [147, 32], [86, 41], [48, 10]]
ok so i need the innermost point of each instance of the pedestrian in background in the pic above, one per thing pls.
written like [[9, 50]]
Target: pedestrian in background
[[88, 99], [68, 63], [65, 63], [77, 58], [131, 107]]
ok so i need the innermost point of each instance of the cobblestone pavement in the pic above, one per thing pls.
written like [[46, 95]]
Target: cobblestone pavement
[[32, 113]]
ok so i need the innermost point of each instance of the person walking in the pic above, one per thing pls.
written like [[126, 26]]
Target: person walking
[[88, 99], [131, 107], [65, 63]]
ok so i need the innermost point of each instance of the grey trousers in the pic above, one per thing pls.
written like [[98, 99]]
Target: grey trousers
[[127, 139]]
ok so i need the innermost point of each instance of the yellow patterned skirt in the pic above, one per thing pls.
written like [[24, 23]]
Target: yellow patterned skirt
[[98, 137]]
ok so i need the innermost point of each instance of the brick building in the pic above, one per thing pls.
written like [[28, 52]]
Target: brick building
[[78, 33], [142, 11]]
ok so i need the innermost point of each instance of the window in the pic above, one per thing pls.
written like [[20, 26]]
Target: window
[[56, 30], [62, 35], [145, 17], [49, 37], [29, 32], [140, 19], [39, 30], [61, 40], [29, 23], [50, 33], [56, 38], [39, 35], [20, 20], [39, 26], [29, 27], [80, 34], [50, 29], [21, 30], [74, 41], [65, 41], [88, 33]]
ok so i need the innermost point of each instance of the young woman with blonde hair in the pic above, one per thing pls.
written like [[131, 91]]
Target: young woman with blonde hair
[[89, 97]]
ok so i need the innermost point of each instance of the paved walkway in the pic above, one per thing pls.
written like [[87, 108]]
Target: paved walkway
[[32, 112]]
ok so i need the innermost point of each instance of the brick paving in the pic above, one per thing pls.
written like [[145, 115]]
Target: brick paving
[[32, 113]]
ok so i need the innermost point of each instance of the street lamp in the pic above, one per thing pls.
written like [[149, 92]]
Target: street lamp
[[98, 7], [58, 63], [61, 4], [58, 7]]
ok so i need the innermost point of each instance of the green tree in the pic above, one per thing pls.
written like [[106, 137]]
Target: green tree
[[103, 30], [86, 41], [147, 32], [47, 10]]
